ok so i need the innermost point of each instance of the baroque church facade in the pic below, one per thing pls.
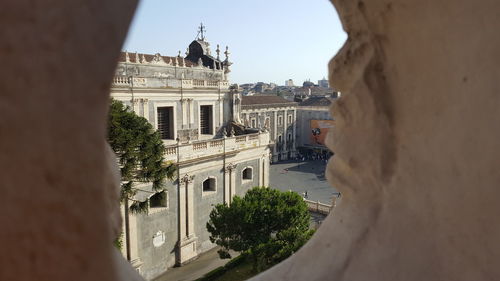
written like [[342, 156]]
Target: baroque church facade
[[188, 99]]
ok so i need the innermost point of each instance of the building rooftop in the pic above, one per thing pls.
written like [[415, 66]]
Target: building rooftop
[[316, 101], [264, 100], [157, 58]]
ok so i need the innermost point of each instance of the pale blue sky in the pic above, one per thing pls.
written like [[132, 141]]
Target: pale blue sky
[[269, 40]]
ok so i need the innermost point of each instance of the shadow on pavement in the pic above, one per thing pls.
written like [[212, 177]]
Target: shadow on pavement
[[316, 167]]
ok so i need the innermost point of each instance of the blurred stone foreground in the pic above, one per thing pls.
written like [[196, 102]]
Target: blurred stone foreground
[[416, 144]]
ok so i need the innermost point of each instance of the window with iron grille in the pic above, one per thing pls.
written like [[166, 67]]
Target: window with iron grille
[[206, 119], [165, 122]]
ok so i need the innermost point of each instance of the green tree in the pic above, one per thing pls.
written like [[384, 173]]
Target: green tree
[[140, 153], [267, 224]]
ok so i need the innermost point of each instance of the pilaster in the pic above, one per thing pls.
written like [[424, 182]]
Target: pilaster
[[184, 108], [186, 245], [191, 111], [221, 110], [145, 108], [285, 135], [135, 105], [230, 183]]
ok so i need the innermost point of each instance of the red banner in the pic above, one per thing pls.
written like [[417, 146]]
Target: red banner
[[319, 129]]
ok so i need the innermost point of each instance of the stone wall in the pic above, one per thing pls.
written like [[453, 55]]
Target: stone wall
[[156, 259], [416, 144]]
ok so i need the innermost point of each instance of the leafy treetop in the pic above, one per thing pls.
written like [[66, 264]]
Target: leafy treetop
[[266, 223]]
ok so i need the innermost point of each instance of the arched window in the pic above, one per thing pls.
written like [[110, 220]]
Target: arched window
[[209, 184], [247, 173]]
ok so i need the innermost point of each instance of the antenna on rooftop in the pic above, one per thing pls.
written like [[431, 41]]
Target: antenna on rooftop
[[201, 32]]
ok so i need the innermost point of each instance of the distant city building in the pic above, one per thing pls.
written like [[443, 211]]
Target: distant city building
[[308, 84], [276, 115], [323, 83], [289, 83], [313, 114]]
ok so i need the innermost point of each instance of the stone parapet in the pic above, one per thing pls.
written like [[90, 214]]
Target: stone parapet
[[212, 147], [158, 82]]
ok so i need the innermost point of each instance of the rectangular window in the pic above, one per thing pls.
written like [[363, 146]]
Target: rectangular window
[[165, 122], [280, 120], [159, 200], [206, 122], [289, 119]]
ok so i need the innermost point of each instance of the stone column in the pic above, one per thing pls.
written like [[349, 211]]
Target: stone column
[[233, 183], [230, 183], [145, 108], [285, 134], [294, 132], [191, 112], [221, 111], [261, 171], [275, 137], [135, 106], [227, 185], [190, 209], [184, 112], [186, 246], [266, 169], [182, 207], [135, 261]]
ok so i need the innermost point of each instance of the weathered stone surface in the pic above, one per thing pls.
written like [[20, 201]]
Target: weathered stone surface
[[416, 146], [416, 143], [58, 59]]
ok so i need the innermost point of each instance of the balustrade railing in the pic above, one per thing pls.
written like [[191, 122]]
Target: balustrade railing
[[121, 80], [198, 83], [170, 150], [200, 145], [216, 143], [197, 149], [318, 207], [160, 82]]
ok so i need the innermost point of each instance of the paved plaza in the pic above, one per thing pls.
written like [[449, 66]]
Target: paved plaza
[[302, 176]]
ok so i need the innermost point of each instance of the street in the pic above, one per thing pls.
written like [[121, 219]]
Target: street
[[302, 176]]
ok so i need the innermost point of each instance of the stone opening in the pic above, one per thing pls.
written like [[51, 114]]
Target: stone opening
[[209, 184], [407, 162], [247, 173]]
